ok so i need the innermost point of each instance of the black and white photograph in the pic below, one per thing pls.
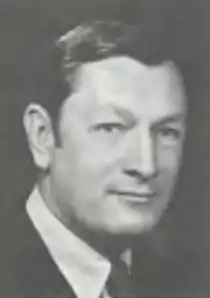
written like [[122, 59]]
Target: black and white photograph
[[105, 148]]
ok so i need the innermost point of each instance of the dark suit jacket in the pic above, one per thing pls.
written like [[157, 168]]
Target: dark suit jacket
[[28, 271], [26, 268]]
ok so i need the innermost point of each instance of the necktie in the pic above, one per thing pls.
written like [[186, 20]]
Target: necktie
[[119, 283]]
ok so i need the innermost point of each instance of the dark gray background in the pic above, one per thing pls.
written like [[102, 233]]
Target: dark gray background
[[184, 234]]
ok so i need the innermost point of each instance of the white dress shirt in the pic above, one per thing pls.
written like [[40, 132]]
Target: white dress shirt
[[84, 269]]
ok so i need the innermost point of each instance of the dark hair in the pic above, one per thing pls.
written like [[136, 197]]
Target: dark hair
[[59, 61]]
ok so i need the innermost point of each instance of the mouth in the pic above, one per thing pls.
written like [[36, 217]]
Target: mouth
[[133, 196]]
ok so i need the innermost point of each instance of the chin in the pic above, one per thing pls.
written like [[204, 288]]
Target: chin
[[132, 228]]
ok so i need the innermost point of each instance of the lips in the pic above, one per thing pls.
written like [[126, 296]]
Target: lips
[[133, 195]]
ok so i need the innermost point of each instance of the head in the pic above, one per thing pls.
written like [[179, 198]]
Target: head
[[108, 158]]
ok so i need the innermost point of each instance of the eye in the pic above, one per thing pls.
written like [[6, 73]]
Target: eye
[[170, 133], [109, 127]]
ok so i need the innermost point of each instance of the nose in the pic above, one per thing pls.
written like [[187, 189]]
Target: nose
[[141, 157]]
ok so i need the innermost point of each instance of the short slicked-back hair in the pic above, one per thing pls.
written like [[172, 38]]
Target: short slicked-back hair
[[57, 66]]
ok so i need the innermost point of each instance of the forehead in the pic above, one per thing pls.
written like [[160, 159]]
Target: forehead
[[130, 84]]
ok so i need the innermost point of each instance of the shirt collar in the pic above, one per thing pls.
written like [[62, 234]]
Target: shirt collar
[[84, 269]]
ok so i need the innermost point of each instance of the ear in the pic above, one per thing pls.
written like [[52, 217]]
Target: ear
[[39, 131]]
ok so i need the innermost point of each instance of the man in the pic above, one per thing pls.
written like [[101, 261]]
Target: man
[[107, 143]]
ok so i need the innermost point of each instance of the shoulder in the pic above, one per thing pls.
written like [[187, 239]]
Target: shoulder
[[26, 265], [163, 271]]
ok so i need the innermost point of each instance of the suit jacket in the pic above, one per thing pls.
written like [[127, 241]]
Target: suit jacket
[[28, 271]]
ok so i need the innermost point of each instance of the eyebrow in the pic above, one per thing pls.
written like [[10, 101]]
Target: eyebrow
[[179, 117], [122, 112], [126, 113]]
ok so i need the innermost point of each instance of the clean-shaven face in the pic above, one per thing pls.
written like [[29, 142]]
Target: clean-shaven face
[[121, 138]]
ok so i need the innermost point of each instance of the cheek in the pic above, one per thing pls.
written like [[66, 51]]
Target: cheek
[[83, 170], [169, 161], [95, 158], [169, 158]]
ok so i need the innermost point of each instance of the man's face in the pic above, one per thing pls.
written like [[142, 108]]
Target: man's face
[[121, 138]]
